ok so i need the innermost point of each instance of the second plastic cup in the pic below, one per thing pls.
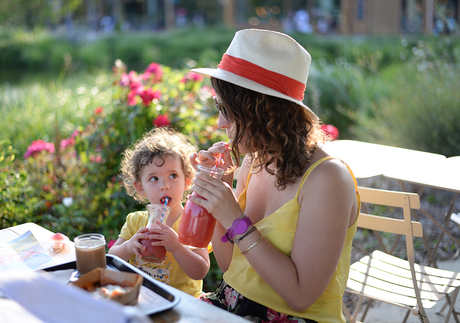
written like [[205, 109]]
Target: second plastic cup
[[157, 212], [197, 224]]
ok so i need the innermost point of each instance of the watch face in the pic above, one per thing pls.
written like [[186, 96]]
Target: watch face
[[242, 226]]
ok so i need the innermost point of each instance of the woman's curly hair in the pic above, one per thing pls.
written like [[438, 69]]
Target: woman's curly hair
[[159, 142], [280, 132]]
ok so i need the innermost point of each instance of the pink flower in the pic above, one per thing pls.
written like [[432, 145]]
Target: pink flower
[[230, 297], [153, 72], [67, 142], [330, 131], [204, 299], [38, 146], [148, 95], [275, 317], [76, 133], [154, 68], [98, 110], [126, 79], [96, 158], [111, 243], [161, 120], [136, 86], [132, 99], [193, 77]]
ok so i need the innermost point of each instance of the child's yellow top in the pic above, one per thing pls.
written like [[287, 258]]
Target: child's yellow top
[[168, 271]]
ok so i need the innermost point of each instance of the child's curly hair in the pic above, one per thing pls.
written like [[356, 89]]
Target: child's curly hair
[[159, 142]]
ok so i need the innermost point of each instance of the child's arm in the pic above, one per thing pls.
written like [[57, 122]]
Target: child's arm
[[126, 248], [195, 263]]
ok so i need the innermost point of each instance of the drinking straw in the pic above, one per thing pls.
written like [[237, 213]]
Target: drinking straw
[[163, 212], [218, 161], [221, 155]]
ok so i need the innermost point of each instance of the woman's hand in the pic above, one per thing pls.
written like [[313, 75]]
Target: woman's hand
[[213, 155], [219, 199]]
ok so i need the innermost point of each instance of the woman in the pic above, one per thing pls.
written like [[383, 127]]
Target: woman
[[284, 245]]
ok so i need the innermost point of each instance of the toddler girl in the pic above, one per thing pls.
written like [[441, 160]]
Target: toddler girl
[[157, 169]]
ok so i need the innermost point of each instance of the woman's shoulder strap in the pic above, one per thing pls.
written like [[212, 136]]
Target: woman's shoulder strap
[[310, 169]]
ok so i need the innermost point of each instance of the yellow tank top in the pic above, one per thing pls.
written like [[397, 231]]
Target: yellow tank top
[[168, 271], [279, 228]]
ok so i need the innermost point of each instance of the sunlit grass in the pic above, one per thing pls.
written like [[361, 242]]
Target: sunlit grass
[[35, 110]]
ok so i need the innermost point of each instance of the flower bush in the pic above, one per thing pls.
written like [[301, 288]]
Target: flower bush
[[331, 131], [71, 185]]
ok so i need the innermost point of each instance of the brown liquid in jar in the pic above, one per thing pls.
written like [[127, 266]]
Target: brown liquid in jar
[[90, 255]]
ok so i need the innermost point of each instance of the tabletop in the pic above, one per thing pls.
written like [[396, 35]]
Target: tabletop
[[187, 310], [368, 159], [414, 166]]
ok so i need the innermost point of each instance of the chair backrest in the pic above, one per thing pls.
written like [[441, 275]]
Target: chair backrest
[[406, 201], [406, 227]]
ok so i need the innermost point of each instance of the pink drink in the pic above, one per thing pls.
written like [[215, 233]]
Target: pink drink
[[197, 224], [155, 254]]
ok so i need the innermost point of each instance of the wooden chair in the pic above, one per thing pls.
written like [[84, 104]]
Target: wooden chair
[[383, 277]]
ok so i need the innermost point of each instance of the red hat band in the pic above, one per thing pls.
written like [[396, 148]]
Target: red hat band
[[258, 74]]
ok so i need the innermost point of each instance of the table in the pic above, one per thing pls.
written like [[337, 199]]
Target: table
[[406, 166], [188, 310], [43, 237], [369, 160]]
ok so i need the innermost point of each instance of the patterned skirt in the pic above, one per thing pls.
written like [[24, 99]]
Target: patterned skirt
[[230, 300]]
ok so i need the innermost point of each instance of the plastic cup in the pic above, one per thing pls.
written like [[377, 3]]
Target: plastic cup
[[155, 254]]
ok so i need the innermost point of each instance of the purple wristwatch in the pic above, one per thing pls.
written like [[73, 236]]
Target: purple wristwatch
[[239, 226]]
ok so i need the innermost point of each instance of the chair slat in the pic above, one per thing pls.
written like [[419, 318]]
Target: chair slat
[[396, 226], [385, 273], [397, 286], [418, 268], [386, 296]]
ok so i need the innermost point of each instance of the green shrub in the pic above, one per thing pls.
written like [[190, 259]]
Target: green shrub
[[17, 203], [333, 92], [421, 110], [59, 53], [95, 54], [34, 110]]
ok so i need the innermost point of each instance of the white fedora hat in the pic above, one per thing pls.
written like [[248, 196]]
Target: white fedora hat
[[267, 62]]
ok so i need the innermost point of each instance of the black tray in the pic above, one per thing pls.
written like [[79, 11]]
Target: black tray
[[116, 263]]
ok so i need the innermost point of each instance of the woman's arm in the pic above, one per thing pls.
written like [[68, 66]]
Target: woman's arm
[[223, 250], [328, 206]]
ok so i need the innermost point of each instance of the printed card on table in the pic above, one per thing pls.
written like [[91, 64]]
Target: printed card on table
[[23, 253]]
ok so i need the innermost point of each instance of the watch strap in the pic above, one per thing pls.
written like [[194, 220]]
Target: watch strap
[[228, 236]]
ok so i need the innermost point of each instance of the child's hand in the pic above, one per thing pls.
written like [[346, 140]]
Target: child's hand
[[134, 243], [167, 237]]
